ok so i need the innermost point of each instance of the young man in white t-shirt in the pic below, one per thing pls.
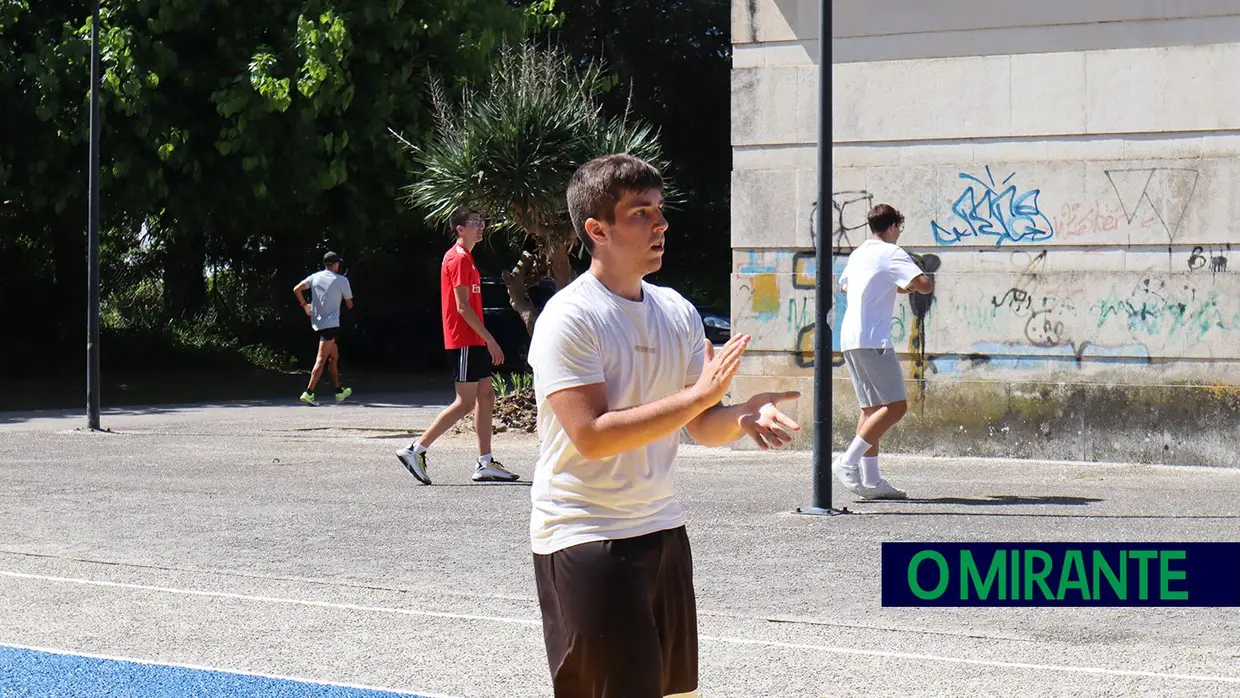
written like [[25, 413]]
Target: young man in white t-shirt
[[875, 273], [328, 290], [620, 367]]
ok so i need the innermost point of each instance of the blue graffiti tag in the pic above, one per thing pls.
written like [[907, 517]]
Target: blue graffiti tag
[[1003, 215]]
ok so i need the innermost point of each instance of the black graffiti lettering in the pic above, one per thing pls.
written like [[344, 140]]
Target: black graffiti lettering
[[1195, 260]]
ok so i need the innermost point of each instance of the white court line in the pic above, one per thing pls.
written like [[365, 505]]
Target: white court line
[[195, 667], [270, 599], [728, 640]]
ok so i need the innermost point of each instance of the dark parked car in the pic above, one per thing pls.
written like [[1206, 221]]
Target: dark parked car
[[718, 325]]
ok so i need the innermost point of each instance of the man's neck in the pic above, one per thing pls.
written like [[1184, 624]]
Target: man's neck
[[627, 286], [467, 247]]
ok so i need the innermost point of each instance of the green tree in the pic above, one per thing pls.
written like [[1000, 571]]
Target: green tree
[[242, 137], [676, 55], [510, 149]]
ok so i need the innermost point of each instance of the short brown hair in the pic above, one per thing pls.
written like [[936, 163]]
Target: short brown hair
[[598, 185], [882, 217], [460, 217]]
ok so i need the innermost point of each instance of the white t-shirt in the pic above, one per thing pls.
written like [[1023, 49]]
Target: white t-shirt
[[873, 272], [643, 351], [327, 290]]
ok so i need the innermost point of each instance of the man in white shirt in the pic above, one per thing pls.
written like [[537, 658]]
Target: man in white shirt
[[620, 367], [328, 289], [875, 273]]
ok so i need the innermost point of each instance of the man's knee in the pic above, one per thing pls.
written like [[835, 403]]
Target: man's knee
[[466, 395], [486, 392], [898, 409]]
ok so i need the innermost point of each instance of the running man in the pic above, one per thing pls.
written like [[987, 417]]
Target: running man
[[875, 273], [472, 353], [620, 367], [328, 288]]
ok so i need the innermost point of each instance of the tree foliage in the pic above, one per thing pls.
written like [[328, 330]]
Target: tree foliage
[[672, 62], [242, 137], [510, 147]]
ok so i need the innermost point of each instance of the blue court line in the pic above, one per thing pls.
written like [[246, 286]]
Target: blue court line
[[52, 674]]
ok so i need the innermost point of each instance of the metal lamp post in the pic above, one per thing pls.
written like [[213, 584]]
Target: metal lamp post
[[92, 283]]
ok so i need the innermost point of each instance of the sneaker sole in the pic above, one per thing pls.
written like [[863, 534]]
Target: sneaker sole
[[413, 472], [497, 478]]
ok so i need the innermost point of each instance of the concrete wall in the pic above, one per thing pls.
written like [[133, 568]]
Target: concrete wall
[[1072, 169]]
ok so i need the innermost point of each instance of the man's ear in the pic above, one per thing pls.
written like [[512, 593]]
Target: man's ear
[[595, 230]]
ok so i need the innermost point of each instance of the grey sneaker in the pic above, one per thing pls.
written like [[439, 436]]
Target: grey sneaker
[[494, 472], [415, 463], [883, 490], [848, 475]]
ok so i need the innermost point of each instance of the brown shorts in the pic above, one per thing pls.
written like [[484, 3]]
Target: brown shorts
[[620, 618]]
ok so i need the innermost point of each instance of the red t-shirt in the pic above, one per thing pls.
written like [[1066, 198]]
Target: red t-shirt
[[458, 270]]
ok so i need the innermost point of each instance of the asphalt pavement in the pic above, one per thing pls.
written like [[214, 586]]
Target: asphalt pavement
[[274, 539]]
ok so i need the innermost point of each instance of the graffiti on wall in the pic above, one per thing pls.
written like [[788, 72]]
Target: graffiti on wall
[[1028, 316], [920, 305], [849, 209], [776, 293], [1164, 192], [1166, 307], [1079, 315], [775, 296], [1215, 259], [988, 210]]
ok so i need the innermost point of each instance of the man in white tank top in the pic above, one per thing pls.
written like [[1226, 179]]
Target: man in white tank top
[[620, 367]]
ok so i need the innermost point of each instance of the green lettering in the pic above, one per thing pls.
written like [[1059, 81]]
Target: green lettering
[[944, 575], [969, 574], [1143, 578], [1073, 562], [1015, 558], [1039, 577], [1165, 575], [1120, 584]]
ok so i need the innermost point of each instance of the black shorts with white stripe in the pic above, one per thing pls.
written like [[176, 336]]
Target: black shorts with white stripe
[[470, 364]]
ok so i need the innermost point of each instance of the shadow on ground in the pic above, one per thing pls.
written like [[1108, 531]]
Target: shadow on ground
[[168, 392], [1005, 499]]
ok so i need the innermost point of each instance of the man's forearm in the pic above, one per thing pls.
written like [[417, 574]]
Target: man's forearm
[[720, 425], [475, 322], [301, 300], [615, 432]]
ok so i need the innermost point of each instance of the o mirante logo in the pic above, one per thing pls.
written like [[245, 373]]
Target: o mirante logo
[[1061, 574]]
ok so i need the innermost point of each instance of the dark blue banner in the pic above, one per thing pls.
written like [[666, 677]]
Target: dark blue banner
[[1061, 574]]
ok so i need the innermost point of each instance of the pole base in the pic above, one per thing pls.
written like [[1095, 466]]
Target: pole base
[[819, 511]]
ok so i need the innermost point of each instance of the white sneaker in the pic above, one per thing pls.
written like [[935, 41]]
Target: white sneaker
[[415, 463], [883, 490], [848, 475], [494, 472]]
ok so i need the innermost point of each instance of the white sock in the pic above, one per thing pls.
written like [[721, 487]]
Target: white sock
[[858, 446], [484, 460], [869, 471], [418, 448]]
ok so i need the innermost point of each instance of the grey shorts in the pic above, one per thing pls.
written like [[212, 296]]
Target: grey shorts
[[876, 376]]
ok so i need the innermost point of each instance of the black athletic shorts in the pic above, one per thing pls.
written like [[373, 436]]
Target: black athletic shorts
[[329, 334], [470, 364], [620, 617]]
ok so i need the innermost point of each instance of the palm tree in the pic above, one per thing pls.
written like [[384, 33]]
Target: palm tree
[[510, 150]]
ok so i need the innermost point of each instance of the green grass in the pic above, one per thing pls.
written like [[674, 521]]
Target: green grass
[[510, 383]]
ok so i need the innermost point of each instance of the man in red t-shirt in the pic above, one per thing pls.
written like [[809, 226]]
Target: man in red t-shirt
[[472, 352]]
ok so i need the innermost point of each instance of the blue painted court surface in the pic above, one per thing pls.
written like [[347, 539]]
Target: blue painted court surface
[[33, 673]]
